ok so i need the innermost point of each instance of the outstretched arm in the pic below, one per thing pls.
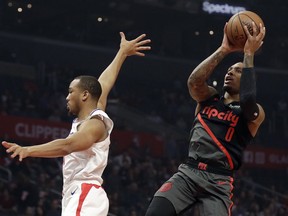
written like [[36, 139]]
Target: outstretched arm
[[197, 81], [90, 131], [110, 74]]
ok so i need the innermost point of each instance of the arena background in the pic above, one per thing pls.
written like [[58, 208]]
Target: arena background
[[44, 44]]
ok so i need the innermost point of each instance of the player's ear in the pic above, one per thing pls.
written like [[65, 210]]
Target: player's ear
[[85, 95]]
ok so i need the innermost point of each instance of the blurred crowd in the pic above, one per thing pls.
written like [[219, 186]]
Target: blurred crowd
[[130, 180]]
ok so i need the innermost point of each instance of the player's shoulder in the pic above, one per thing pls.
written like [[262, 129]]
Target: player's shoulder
[[214, 97], [98, 112], [103, 116]]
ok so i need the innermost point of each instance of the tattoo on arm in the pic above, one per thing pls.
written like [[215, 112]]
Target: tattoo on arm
[[203, 71], [248, 61]]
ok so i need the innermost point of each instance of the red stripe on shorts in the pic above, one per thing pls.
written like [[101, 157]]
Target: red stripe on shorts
[[85, 188]]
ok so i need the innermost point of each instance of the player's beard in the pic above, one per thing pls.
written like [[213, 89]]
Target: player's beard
[[69, 111], [73, 111], [226, 89], [230, 90]]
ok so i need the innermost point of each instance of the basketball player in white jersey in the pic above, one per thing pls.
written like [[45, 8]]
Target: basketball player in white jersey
[[85, 150]]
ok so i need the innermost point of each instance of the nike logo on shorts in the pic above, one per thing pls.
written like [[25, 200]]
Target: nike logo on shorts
[[73, 192]]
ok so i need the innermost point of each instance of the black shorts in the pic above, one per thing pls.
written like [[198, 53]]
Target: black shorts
[[189, 186]]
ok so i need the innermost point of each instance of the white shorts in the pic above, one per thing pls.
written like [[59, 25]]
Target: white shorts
[[84, 199]]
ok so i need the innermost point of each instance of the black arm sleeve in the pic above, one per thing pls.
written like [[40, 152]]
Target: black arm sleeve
[[248, 94]]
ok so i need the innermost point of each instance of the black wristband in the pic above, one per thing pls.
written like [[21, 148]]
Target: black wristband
[[248, 103]]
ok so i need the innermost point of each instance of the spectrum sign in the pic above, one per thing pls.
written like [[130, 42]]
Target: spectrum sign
[[218, 8]]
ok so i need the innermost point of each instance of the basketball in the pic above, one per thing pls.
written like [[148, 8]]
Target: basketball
[[235, 27]]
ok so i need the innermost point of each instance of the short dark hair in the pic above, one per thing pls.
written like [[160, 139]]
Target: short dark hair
[[91, 84]]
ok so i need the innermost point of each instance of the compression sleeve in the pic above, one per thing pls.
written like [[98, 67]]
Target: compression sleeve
[[248, 94]]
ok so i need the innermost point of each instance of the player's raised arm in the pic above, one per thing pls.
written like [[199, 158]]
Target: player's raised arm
[[197, 81], [110, 74], [253, 112]]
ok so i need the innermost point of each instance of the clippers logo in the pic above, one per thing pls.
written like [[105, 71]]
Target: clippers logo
[[225, 116]]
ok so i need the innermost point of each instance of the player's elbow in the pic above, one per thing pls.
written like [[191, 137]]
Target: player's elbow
[[68, 146], [67, 149], [76, 145], [193, 86], [193, 81]]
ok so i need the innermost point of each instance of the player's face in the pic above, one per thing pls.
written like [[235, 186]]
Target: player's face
[[74, 98], [232, 78]]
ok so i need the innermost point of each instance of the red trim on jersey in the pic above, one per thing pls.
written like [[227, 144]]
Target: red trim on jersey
[[85, 188], [222, 148]]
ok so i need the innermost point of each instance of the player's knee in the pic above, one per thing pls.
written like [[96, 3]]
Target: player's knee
[[160, 206]]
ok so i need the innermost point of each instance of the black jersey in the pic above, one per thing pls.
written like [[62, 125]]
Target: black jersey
[[219, 134]]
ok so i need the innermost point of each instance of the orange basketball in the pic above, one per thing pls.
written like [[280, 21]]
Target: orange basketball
[[235, 31]]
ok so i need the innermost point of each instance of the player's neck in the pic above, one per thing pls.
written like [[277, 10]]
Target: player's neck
[[228, 98], [85, 113]]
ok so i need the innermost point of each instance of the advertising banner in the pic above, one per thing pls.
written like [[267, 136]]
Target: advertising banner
[[35, 131]]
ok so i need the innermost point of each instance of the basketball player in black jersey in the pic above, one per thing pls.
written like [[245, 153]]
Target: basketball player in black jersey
[[222, 128]]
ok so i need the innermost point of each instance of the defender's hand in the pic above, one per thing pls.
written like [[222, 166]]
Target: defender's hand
[[16, 150], [135, 46]]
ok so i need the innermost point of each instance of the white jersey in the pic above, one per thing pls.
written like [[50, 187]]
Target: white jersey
[[88, 165]]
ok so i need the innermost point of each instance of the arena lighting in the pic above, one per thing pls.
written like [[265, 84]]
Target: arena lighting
[[29, 6], [221, 8]]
